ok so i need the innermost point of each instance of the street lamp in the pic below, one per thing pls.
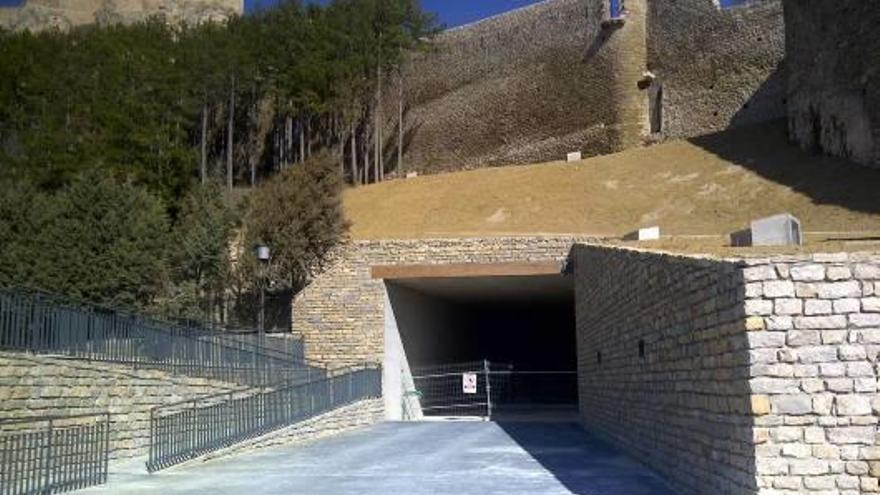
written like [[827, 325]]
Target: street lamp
[[262, 253]]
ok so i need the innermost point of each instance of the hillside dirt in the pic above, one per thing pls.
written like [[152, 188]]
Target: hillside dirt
[[696, 190]]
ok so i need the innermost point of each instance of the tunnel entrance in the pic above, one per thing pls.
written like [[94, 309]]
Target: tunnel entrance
[[482, 340]]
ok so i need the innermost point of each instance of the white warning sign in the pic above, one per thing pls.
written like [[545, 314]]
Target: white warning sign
[[469, 383]]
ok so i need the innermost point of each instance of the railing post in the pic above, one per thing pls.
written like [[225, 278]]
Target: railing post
[[488, 389], [48, 464], [106, 447]]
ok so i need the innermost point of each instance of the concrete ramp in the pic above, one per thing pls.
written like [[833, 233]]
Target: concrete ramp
[[449, 458]]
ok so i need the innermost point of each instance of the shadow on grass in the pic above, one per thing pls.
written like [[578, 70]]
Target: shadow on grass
[[765, 150]]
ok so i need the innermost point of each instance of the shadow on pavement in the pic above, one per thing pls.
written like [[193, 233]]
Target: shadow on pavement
[[581, 462]]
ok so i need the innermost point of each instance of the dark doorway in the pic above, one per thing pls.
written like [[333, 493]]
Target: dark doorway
[[655, 107]]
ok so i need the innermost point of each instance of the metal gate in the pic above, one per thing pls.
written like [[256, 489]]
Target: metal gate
[[483, 388]]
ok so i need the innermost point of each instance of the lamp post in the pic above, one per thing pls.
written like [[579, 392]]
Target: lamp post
[[262, 253]]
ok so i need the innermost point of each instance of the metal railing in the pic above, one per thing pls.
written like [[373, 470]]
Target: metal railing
[[189, 429], [41, 323], [481, 388], [53, 454], [441, 389]]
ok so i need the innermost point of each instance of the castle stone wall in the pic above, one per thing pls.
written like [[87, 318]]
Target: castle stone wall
[[718, 68], [36, 15], [522, 87], [534, 84], [833, 62]]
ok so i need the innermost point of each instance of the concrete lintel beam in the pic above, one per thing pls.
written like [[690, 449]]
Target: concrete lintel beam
[[453, 270]]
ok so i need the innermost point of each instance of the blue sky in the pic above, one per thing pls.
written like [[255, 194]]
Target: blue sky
[[451, 12]]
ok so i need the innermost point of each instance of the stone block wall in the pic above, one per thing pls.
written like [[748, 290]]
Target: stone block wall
[[663, 364], [739, 376], [32, 385], [340, 315], [814, 337]]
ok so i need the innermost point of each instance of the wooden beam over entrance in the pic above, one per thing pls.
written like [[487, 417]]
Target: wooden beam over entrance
[[456, 270]]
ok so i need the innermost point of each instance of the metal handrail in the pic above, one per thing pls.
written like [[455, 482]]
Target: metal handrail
[[55, 458], [151, 321], [179, 433], [48, 325]]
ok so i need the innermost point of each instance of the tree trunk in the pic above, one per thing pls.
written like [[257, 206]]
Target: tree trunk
[[354, 174], [230, 142], [400, 169], [377, 132], [308, 137], [367, 161], [252, 145], [203, 159], [302, 141], [289, 142]]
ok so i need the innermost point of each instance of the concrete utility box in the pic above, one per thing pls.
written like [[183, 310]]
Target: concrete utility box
[[646, 234], [573, 157], [778, 230]]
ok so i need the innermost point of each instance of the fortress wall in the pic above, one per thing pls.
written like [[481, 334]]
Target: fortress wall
[[533, 84], [718, 68], [833, 59], [36, 15], [523, 87]]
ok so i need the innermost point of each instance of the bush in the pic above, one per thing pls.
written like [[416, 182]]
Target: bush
[[95, 239]]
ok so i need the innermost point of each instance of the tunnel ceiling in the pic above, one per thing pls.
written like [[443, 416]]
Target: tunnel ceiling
[[555, 288]]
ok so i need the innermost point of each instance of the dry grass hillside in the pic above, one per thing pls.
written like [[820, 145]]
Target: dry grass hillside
[[706, 186]]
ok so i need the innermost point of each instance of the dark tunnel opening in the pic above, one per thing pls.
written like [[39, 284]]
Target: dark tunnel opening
[[516, 334]]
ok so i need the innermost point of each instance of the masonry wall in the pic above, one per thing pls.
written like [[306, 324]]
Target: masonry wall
[[36, 15], [523, 87], [718, 68], [340, 316], [814, 333], [43, 386], [683, 408], [833, 61]]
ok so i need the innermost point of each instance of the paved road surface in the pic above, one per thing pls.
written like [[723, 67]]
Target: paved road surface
[[436, 458]]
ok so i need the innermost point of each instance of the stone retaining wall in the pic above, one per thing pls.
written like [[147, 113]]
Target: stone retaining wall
[[814, 336], [33, 385], [758, 375], [663, 364]]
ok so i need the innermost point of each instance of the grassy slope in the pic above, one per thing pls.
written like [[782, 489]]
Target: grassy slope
[[705, 186]]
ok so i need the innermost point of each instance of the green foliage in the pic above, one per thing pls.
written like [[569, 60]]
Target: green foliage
[[95, 239], [298, 213], [128, 99], [101, 136], [198, 254]]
